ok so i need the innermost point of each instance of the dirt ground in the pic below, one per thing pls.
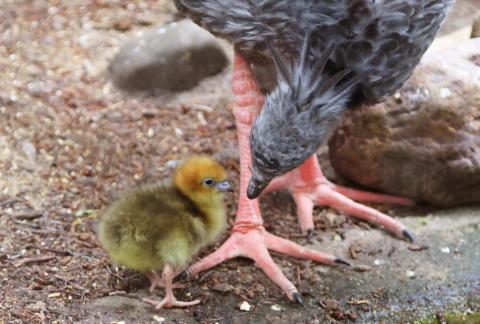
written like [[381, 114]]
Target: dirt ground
[[70, 142]]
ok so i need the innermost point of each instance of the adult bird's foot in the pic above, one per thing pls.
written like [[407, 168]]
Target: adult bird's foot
[[169, 302], [309, 187], [254, 242]]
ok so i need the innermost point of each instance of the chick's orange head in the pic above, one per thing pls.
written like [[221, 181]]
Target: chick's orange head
[[201, 174]]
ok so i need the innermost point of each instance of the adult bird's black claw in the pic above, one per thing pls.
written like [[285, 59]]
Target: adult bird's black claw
[[183, 276], [298, 298], [341, 261], [310, 234], [407, 235]]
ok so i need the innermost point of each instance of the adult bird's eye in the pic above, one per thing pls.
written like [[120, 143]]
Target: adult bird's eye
[[209, 181]]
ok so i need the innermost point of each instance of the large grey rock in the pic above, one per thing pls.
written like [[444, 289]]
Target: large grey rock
[[423, 142], [172, 58]]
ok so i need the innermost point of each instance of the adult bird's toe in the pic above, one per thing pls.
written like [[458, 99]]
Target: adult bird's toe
[[310, 234], [184, 275], [296, 297], [342, 261], [407, 235]]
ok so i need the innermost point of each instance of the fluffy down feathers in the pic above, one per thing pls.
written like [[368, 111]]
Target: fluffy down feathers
[[167, 222]]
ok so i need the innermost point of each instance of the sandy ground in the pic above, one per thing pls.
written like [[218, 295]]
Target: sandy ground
[[70, 142]]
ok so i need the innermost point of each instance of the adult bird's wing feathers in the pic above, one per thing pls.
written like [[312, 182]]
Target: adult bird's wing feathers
[[380, 41], [281, 66]]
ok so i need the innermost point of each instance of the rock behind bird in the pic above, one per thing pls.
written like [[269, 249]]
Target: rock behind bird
[[423, 142]]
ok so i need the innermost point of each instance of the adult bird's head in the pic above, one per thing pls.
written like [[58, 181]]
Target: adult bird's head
[[298, 115]]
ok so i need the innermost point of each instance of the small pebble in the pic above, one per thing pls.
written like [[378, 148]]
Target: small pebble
[[150, 132], [149, 113], [276, 308], [245, 306], [416, 247], [362, 268], [36, 306], [158, 319], [378, 262], [171, 164], [410, 274], [322, 269], [337, 237], [178, 131], [445, 92], [223, 287], [201, 119], [54, 295], [445, 249]]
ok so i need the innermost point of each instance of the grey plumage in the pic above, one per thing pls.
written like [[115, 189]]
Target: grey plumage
[[374, 44]]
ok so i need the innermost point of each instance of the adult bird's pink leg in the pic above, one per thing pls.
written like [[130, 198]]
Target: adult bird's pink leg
[[249, 238], [309, 187]]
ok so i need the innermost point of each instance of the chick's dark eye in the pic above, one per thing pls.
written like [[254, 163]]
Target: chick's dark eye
[[208, 181]]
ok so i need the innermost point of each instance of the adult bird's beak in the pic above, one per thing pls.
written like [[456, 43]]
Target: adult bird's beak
[[255, 187], [224, 186]]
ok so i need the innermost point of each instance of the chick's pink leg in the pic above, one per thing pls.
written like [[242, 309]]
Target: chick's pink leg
[[156, 281], [249, 238], [169, 300], [309, 186]]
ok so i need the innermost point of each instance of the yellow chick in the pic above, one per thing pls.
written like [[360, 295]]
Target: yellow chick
[[162, 226]]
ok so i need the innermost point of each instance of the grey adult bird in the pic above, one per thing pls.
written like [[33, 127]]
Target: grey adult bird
[[330, 56]]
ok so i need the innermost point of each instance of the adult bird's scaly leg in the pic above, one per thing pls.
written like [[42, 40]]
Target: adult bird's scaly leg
[[309, 186], [249, 238]]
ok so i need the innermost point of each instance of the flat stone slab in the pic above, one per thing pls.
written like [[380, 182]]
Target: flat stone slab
[[391, 281]]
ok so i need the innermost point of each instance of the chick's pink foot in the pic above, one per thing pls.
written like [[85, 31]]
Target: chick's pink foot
[[309, 187], [166, 281], [249, 238]]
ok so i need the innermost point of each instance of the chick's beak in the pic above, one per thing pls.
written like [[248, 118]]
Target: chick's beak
[[255, 187], [223, 186]]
